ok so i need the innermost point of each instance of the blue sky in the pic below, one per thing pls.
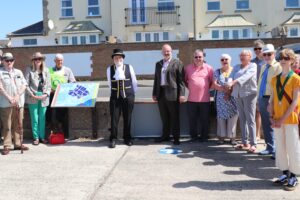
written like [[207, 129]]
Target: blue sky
[[17, 14]]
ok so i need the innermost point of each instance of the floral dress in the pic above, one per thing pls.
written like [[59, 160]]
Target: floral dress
[[225, 105]]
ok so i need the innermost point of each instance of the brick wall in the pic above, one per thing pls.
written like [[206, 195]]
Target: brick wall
[[102, 52]]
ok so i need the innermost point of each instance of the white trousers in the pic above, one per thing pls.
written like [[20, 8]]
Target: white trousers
[[227, 127], [287, 143]]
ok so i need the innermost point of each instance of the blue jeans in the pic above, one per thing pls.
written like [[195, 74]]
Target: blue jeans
[[266, 123]]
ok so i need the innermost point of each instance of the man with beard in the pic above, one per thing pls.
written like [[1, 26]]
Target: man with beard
[[123, 84]]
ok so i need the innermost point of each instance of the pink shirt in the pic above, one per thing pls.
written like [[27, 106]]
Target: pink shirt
[[198, 80]]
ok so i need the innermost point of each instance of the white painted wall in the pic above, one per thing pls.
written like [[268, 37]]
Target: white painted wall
[[41, 41], [213, 55], [80, 63], [143, 62]]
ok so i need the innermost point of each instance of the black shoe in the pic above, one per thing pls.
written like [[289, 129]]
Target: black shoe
[[162, 139], [193, 139], [128, 142], [176, 142], [112, 144]]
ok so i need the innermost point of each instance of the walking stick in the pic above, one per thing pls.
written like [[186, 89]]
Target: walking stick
[[20, 126]]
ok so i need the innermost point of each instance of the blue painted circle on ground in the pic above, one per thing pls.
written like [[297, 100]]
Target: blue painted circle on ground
[[170, 151]]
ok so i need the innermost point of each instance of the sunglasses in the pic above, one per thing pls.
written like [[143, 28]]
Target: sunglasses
[[197, 57], [224, 59], [39, 59], [11, 60], [257, 48], [284, 58], [267, 54]]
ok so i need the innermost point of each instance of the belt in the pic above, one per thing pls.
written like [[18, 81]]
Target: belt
[[266, 96]]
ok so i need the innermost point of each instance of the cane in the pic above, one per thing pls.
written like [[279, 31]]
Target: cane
[[20, 126]]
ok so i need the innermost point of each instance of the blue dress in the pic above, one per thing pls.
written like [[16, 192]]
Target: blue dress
[[226, 108]]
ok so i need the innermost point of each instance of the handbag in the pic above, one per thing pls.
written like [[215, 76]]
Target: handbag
[[57, 138]]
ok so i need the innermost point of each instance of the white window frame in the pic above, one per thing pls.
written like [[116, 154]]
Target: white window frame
[[212, 32], [210, 1], [286, 6], [62, 40], [66, 8], [165, 8], [140, 35], [93, 6], [90, 41], [81, 39], [30, 44], [74, 38], [228, 34], [248, 33], [165, 36], [242, 8], [293, 28]]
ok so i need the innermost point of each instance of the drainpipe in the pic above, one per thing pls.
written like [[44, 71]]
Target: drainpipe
[[194, 19]]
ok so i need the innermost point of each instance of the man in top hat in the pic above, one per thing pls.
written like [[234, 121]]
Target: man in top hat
[[59, 74], [12, 87], [123, 85], [270, 69]]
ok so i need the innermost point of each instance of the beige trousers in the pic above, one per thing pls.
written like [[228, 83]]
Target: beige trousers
[[10, 124], [287, 143], [227, 127]]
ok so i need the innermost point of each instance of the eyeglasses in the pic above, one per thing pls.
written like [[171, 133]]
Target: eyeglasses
[[284, 58], [257, 48], [11, 60], [267, 54], [197, 57], [224, 59], [39, 59]]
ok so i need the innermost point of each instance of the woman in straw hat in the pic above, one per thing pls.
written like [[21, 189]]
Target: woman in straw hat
[[38, 91]]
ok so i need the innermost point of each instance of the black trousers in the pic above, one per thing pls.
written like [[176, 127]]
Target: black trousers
[[118, 106], [57, 118], [170, 116], [199, 119]]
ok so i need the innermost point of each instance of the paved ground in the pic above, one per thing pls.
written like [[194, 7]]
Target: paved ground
[[87, 170]]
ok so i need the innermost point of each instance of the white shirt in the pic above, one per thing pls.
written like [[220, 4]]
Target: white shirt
[[119, 76], [163, 72]]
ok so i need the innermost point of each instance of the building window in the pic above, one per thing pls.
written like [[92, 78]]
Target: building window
[[226, 35], [165, 35], [93, 8], [235, 34], [74, 40], [156, 37], [93, 39], [166, 5], [29, 42], [293, 32], [147, 37], [246, 33], [82, 40], [242, 4], [138, 37], [213, 5], [66, 8], [215, 34], [292, 3], [64, 40]]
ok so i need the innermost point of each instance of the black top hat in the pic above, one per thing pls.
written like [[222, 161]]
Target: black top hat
[[117, 52]]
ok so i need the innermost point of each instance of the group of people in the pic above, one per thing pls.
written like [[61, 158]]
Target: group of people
[[257, 91], [36, 89]]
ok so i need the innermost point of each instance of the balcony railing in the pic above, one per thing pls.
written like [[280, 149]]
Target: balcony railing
[[152, 16]]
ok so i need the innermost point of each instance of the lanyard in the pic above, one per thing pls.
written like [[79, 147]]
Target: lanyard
[[280, 90]]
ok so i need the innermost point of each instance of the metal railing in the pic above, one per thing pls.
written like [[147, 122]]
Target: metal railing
[[152, 16]]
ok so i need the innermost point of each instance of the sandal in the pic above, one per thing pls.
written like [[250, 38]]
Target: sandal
[[36, 142], [242, 146], [44, 141], [252, 149]]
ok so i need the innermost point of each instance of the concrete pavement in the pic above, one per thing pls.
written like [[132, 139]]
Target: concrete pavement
[[85, 169]]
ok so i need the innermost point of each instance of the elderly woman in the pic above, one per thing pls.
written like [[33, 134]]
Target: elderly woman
[[38, 92], [225, 104], [284, 115], [296, 65], [244, 89]]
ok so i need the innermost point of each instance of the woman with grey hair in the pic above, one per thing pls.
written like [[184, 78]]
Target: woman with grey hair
[[244, 89], [225, 104]]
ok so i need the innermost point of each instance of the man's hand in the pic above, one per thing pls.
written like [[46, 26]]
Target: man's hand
[[182, 99], [154, 98]]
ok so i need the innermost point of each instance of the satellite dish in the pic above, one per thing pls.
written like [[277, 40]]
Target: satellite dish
[[50, 24]]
